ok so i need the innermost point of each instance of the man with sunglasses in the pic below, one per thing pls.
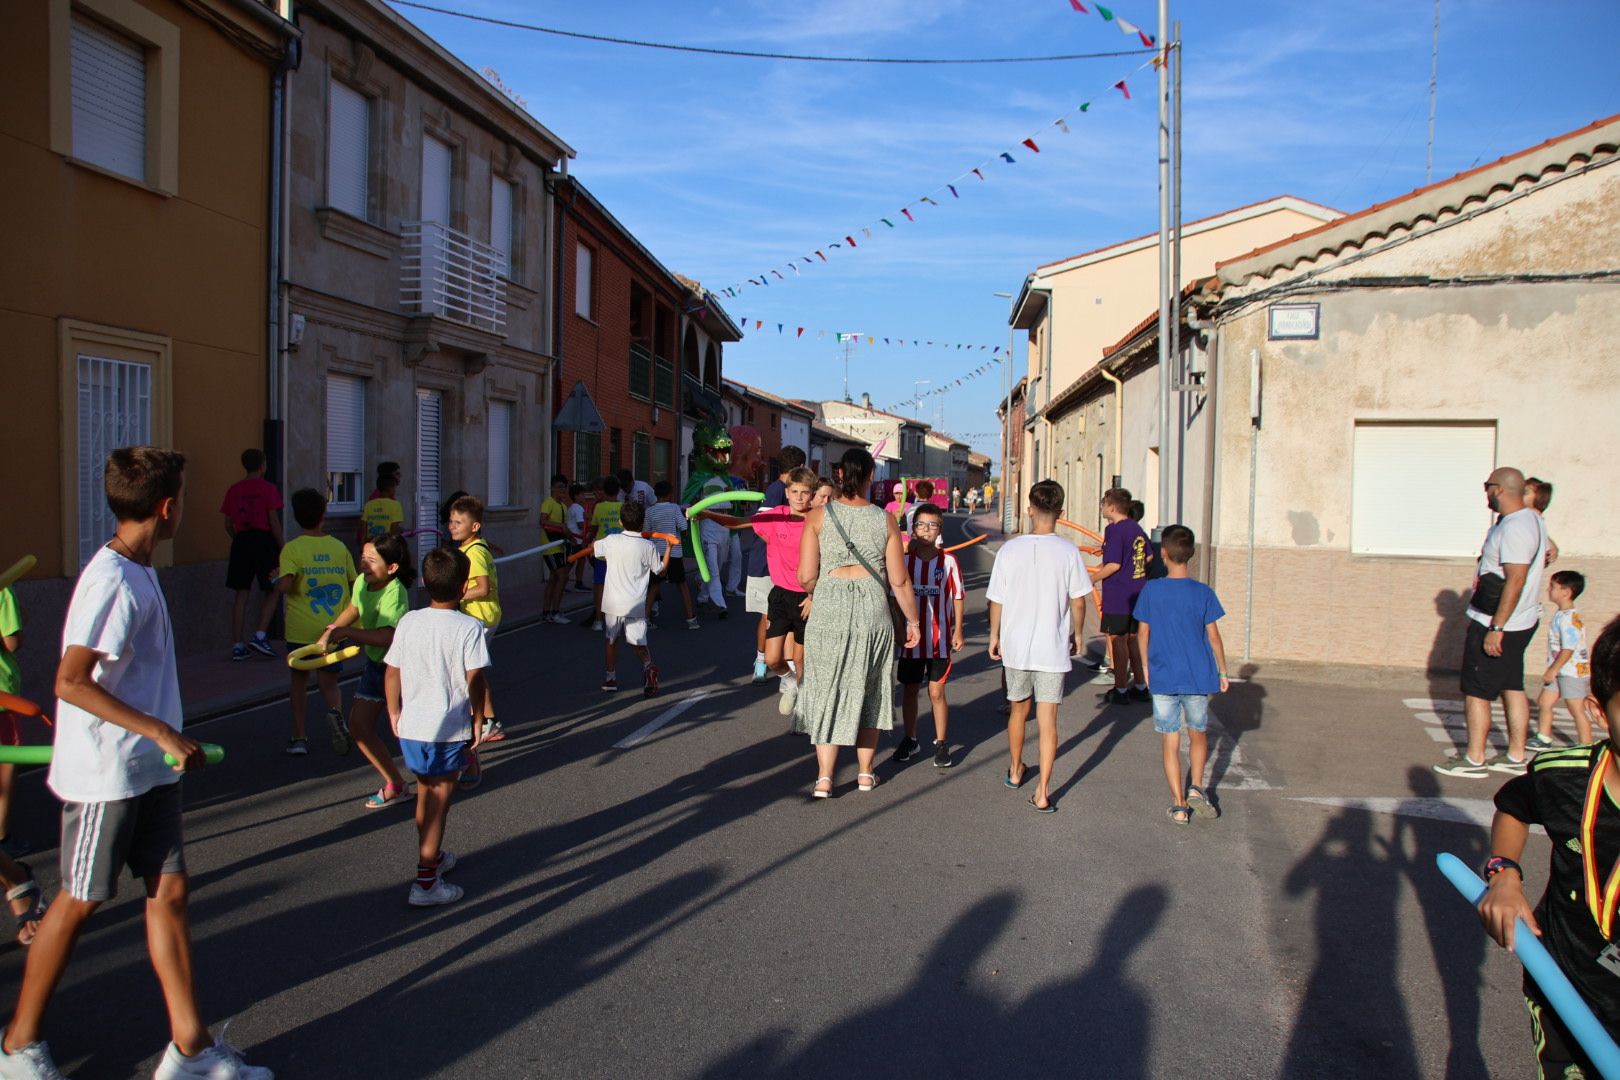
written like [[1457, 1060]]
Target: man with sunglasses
[[1503, 615]]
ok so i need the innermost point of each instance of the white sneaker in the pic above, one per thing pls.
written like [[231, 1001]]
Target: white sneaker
[[789, 695], [31, 1062], [222, 1061], [442, 893]]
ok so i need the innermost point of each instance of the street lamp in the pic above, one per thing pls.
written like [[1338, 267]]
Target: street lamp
[[1006, 403]]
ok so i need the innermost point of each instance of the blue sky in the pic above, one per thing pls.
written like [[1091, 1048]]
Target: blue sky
[[726, 168]]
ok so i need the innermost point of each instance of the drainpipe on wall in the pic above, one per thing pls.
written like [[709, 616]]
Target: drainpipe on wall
[[1119, 422], [278, 271]]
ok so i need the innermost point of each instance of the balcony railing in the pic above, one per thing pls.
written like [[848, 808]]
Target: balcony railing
[[449, 274]]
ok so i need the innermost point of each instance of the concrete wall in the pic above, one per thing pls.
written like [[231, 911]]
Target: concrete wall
[[1535, 359]]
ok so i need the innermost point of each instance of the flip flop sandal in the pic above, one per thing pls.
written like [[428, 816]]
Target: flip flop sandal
[[382, 798], [865, 781], [1047, 809], [1008, 780], [27, 891], [1181, 815], [817, 793], [1200, 804]]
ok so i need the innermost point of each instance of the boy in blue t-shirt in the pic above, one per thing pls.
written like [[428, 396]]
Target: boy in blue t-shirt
[[1181, 646]]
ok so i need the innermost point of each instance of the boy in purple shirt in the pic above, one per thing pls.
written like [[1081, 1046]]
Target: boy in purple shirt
[[252, 519], [1126, 554]]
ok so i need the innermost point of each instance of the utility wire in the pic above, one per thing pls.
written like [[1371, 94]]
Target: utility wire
[[745, 53]]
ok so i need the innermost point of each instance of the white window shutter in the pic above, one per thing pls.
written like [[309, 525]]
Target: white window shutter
[[345, 435], [500, 453], [348, 151], [429, 410], [582, 280], [1416, 488], [109, 99], [437, 159], [500, 222]]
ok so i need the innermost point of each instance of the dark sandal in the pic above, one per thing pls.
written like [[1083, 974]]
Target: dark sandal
[[28, 891], [1049, 808], [1181, 815]]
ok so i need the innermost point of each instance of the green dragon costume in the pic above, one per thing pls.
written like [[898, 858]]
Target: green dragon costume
[[711, 462]]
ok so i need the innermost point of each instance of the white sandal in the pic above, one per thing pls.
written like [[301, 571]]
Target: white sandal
[[817, 793], [861, 778]]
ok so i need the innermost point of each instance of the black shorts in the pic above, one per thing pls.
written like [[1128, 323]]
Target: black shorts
[[1487, 677], [782, 614], [1556, 1049], [913, 669], [253, 558], [1115, 624], [676, 574]]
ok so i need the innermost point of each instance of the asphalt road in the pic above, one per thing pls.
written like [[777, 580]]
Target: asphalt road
[[680, 908]]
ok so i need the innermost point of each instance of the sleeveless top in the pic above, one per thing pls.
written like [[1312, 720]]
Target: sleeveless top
[[868, 530]]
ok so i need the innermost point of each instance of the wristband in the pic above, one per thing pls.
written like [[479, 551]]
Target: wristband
[[1498, 863]]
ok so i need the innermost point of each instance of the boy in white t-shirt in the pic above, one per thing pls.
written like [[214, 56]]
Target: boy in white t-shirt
[[1037, 622], [1569, 668], [118, 714], [435, 671], [631, 560]]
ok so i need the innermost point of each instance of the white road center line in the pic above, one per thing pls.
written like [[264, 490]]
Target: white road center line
[[660, 720]]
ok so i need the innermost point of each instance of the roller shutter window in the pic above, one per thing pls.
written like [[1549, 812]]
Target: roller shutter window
[[345, 440], [109, 99], [348, 151], [500, 453], [1416, 488], [582, 280]]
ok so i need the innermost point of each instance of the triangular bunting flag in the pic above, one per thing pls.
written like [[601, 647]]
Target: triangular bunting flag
[[1122, 88], [954, 195], [1031, 144], [850, 240], [979, 174], [1084, 106], [778, 328], [1078, 6], [929, 201], [1105, 13], [820, 256], [906, 211], [1062, 125], [1008, 158], [887, 222], [778, 273], [800, 333], [866, 233], [758, 324]]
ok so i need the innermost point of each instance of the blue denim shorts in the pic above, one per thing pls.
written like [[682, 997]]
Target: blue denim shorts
[[433, 758], [1168, 710], [371, 682]]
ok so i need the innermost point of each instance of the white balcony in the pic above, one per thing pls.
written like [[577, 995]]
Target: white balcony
[[449, 274]]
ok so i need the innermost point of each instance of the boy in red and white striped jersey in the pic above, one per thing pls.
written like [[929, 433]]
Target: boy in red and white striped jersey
[[937, 580]]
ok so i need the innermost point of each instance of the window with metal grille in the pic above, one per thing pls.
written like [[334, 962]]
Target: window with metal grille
[[500, 453], [640, 373], [345, 441], [109, 99], [641, 451], [663, 389], [115, 409], [429, 417], [348, 150]]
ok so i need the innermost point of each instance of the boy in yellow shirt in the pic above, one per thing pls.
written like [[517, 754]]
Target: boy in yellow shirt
[[316, 573], [481, 600], [382, 513]]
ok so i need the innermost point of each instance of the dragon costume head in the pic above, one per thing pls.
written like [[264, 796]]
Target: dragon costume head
[[711, 457]]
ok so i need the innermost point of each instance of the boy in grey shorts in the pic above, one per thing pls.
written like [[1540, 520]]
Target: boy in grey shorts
[[1037, 622], [1569, 669], [118, 715]]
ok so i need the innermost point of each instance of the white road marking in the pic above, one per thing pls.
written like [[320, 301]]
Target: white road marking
[[661, 719], [1236, 775], [1442, 720], [1465, 811]]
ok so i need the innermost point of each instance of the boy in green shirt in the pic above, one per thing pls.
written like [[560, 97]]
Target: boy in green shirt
[[316, 572], [481, 600]]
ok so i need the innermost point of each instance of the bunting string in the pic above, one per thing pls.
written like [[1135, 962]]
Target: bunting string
[[842, 337], [1108, 15], [1027, 147], [947, 386]]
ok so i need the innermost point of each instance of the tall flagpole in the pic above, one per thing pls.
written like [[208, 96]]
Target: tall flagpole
[[1165, 286]]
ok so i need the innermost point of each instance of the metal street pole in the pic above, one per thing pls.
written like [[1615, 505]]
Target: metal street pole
[[1165, 285], [1006, 408]]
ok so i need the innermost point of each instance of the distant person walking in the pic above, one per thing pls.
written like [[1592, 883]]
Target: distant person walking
[[1503, 615], [849, 639]]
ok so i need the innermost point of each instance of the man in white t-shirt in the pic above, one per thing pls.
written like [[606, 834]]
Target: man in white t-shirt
[[117, 716], [631, 561], [1503, 615], [1037, 622]]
